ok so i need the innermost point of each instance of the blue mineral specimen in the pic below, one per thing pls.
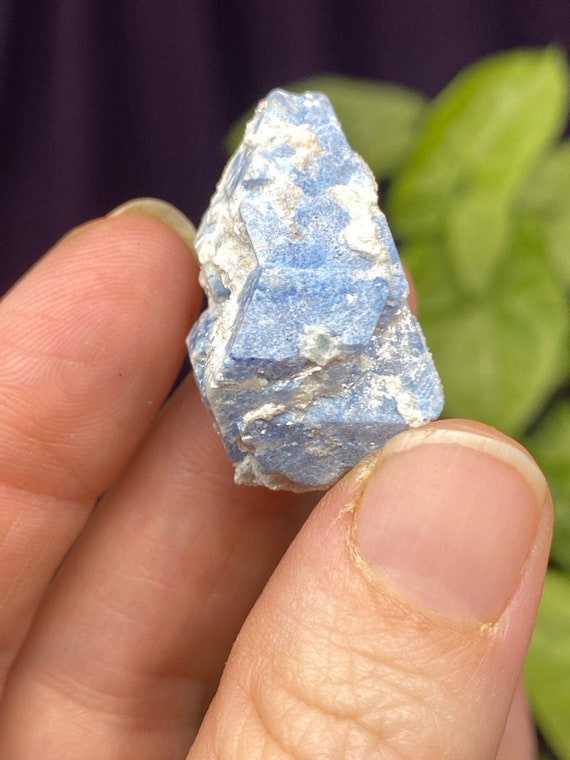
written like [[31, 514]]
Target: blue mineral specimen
[[307, 356]]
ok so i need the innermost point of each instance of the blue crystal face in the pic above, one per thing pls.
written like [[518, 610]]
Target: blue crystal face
[[307, 355]]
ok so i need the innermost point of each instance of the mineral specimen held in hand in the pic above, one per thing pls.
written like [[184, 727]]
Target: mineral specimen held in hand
[[307, 356]]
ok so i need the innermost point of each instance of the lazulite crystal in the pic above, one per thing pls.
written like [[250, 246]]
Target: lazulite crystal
[[307, 355]]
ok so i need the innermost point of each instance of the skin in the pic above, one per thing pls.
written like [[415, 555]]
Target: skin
[[134, 572]]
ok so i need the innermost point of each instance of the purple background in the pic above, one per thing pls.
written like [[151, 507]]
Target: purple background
[[102, 101]]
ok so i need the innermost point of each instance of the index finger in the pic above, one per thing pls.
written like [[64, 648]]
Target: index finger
[[90, 343]]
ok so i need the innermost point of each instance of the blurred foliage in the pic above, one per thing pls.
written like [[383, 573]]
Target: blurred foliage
[[547, 669], [477, 192], [550, 446]]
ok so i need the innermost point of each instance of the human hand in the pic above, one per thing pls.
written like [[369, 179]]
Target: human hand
[[395, 626]]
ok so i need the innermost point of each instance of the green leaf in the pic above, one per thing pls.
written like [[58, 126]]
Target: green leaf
[[558, 232], [433, 279], [477, 229], [547, 669], [550, 445], [548, 194], [483, 135], [498, 357], [381, 121], [549, 186], [235, 133]]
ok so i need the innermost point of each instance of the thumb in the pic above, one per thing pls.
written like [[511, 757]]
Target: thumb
[[397, 623]]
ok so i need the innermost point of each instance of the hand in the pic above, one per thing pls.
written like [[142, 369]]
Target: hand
[[395, 626]]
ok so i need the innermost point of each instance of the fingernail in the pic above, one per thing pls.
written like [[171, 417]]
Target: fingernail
[[166, 212], [448, 518]]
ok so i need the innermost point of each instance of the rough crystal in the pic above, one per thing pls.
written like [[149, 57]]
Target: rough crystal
[[307, 355]]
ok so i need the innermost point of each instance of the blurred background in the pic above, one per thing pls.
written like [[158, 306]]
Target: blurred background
[[103, 101]]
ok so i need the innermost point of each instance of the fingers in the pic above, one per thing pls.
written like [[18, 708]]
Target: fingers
[[519, 739], [397, 623], [128, 647], [356, 648], [160, 643], [90, 342], [175, 514]]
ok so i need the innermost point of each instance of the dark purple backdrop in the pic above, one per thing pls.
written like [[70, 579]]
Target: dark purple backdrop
[[104, 100]]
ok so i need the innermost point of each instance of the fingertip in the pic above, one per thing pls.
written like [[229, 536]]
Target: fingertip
[[412, 294], [519, 740], [449, 516], [129, 255], [96, 330], [165, 212]]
